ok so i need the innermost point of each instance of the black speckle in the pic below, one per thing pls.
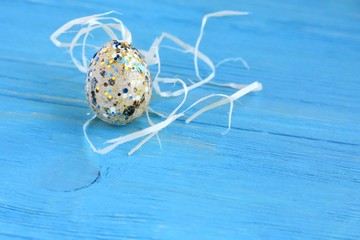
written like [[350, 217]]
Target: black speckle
[[93, 98], [111, 82], [105, 84], [129, 111], [136, 104], [102, 73], [142, 98]]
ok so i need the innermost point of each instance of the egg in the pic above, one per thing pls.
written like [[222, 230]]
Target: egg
[[118, 85]]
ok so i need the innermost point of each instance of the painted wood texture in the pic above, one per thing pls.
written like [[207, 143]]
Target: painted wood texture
[[288, 169]]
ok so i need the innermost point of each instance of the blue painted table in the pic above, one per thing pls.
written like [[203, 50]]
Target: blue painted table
[[288, 169]]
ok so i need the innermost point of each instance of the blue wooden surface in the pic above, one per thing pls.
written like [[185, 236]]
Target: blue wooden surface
[[288, 169]]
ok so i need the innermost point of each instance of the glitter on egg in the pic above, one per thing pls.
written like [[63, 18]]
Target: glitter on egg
[[116, 73]]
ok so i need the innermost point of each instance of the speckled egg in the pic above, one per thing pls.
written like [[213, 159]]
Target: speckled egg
[[118, 84]]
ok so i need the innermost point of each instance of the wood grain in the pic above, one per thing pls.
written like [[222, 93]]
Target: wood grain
[[288, 169]]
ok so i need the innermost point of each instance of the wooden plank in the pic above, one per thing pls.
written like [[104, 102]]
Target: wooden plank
[[288, 169]]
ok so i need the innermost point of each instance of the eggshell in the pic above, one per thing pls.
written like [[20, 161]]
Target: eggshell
[[118, 85]]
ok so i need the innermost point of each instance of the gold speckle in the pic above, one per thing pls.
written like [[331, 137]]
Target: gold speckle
[[104, 50]]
